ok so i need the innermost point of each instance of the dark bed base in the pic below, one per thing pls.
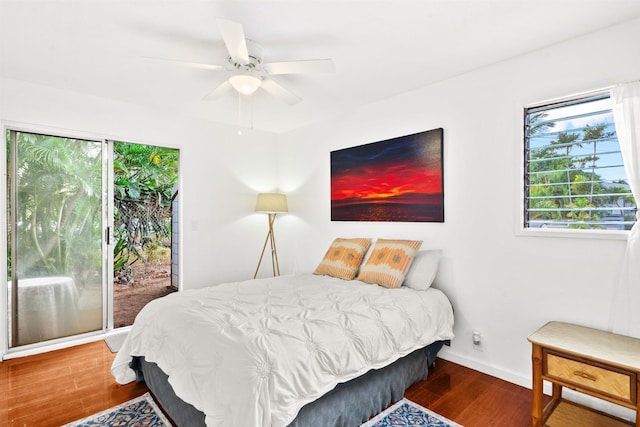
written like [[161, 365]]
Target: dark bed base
[[349, 404]]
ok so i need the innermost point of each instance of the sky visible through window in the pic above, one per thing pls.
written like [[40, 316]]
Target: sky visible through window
[[574, 119]]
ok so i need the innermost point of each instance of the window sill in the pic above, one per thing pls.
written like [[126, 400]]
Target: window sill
[[574, 234]]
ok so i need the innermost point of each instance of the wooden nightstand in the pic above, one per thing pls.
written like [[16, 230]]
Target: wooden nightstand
[[590, 361]]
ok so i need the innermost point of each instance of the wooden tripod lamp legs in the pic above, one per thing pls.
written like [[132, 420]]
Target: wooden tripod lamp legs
[[271, 238]]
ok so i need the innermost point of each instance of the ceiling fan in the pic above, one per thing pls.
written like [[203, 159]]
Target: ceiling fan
[[250, 72]]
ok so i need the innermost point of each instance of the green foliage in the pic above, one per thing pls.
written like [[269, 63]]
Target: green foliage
[[59, 227], [144, 173], [567, 186], [144, 181], [59, 216], [157, 254]]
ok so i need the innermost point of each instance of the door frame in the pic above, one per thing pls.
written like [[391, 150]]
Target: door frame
[[108, 223]]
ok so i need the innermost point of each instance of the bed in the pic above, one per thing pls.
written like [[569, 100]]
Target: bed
[[295, 350]]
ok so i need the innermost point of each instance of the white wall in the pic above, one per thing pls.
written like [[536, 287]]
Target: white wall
[[501, 283], [220, 172]]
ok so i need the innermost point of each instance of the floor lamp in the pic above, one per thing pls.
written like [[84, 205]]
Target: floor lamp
[[271, 204]]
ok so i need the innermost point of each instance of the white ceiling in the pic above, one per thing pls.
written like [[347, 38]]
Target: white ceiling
[[380, 48]]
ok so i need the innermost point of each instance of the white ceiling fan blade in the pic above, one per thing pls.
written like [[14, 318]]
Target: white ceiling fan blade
[[307, 66], [234, 40], [218, 92], [189, 63], [280, 92]]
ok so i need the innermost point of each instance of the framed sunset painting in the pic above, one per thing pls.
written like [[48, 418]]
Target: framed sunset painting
[[399, 179]]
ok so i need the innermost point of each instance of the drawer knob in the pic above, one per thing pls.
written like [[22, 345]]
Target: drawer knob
[[585, 375]]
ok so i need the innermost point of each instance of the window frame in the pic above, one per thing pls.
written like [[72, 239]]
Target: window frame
[[521, 230]]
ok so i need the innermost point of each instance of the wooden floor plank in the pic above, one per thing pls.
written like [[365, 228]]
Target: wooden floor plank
[[58, 387], [472, 398], [55, 388]]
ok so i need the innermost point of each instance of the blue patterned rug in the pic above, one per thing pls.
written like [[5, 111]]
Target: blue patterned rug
[[405, 413], [139, 412]]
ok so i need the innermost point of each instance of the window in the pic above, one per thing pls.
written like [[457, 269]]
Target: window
[[574, 174]]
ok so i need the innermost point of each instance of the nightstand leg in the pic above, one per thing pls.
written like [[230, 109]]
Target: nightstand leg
[[638, 401], [556, 393], [536, 407]]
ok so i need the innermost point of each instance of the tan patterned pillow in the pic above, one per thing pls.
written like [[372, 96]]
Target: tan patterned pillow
[[343, 258], [389, 262]]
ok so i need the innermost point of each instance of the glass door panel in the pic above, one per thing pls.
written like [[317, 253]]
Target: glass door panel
[[56, 227]]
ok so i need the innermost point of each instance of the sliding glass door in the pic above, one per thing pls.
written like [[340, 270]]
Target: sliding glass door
[[92, 231], [57, 250]]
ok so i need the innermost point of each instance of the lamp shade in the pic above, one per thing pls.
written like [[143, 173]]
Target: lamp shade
[[246, 84], [272, 203]]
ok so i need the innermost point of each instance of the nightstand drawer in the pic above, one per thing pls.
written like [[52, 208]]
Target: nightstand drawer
[[616, 383]]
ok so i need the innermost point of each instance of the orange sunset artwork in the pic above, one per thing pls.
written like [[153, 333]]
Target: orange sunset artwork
[[398, 180]]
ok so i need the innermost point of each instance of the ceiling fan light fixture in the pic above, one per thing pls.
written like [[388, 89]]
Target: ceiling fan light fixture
[[246, 84]]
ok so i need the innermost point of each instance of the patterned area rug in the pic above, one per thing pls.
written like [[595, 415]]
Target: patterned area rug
[[139, 412], [406, 413]]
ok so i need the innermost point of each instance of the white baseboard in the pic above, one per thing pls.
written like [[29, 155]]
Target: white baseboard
[[486, 368]]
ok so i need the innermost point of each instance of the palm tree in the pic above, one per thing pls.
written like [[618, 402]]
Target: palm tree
[[59, 204]]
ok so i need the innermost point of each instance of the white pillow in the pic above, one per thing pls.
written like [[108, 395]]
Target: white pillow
[[423, 270]]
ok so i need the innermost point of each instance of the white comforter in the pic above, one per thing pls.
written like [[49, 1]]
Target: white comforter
[[253, 353]]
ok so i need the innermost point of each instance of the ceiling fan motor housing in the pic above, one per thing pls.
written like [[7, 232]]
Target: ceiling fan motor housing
[[255, 51]]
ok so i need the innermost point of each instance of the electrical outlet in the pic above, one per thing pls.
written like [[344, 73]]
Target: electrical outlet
[[477, 340]]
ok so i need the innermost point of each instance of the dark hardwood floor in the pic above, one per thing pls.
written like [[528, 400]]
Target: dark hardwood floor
[[62, 386], [471, 398]]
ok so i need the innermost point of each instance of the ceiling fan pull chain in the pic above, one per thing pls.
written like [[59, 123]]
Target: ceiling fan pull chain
[[251, 104], [239, 113]]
